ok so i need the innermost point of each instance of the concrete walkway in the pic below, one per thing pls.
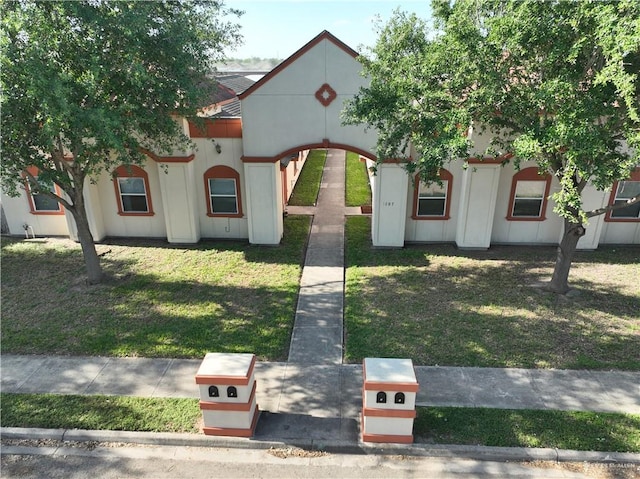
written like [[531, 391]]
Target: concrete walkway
[[314, 396], [323, 402], [317, 331]]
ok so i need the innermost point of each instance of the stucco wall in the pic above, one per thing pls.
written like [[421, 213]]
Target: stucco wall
[[505, 231], [207, 157], [523, 232], [17, 213], [283, 112], [292, 173], [132, 226], [435, 230], [620, 233]]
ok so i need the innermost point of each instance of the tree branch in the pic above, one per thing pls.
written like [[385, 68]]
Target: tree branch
[[34, 188], [595, 60], [599, 211]]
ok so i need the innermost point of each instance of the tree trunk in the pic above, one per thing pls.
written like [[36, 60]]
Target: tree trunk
[[91, 260], [572, 233], [4, 228]]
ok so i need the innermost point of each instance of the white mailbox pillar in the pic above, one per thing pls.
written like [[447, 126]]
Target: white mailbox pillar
[[389, 400], [228, 394]]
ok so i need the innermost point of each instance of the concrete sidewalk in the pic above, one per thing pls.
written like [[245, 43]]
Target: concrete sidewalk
[[318, 327], [324, 401], [328, 391]]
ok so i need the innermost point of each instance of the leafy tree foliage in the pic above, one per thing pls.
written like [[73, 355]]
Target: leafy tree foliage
[[87, 85], [554, 82]]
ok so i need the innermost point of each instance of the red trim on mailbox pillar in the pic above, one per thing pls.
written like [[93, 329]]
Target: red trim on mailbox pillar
[[227, 380], [228, 431]]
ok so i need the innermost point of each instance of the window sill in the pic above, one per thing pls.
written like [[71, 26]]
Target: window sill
[[128, 213], [225, 215], [431, 218], [526, 218], [47, 213], [608, 219]]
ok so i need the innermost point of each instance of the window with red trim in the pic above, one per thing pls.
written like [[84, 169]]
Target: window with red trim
[[222, 189], [621, 192], [131, 184], [40, 204], [432, 201], [529, 193]]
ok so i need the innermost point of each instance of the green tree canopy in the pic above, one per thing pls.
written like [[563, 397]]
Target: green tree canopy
[[87, 85], [553, 82]]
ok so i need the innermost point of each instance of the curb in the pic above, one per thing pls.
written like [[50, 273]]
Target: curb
[[481, 453]]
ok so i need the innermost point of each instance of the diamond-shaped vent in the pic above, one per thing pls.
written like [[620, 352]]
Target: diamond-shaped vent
[[326, 94]]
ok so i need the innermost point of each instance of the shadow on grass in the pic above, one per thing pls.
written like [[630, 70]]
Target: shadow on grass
[[437, 305], [290, 250], [158, 300], [362, 253], [144, 317], [306, 190]]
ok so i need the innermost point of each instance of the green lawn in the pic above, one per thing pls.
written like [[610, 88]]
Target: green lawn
[[431, 303], [305, 192], [160, 301], [582, 431], [438, 305], [586, 431], [357, 189], [110, 413]]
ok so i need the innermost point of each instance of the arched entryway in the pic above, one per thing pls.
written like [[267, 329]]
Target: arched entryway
[[298, 153], [298, 106]]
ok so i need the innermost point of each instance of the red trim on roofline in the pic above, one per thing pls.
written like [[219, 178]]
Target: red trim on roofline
[[217, 128], [324, 35]]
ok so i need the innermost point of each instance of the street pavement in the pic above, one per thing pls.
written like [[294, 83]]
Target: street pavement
[[172, 462]]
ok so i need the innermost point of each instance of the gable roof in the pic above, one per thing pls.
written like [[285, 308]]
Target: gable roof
[[229, 110], [324, 35], [216, 92], [235, 82], [223, 92]]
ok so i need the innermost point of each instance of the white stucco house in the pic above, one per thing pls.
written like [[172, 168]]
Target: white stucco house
[[236, 181]]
